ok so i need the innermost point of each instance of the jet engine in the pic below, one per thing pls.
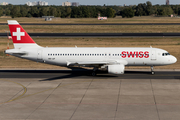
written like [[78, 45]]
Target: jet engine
[[116, 69]]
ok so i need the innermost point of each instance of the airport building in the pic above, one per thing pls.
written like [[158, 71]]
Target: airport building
[[37, 3], [66, 3]]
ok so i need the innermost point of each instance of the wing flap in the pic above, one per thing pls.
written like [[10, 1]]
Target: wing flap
[[109, 62]]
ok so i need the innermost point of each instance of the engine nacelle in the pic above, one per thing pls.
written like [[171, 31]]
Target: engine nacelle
[[116, 69]]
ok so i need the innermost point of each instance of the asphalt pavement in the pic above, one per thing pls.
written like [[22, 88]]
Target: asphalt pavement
[[76, 95], [86, 74]]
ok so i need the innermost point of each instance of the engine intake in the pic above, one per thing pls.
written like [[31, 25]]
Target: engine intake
[[116, 69]]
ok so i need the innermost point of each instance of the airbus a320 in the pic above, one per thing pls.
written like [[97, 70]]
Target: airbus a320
[[114, 59]]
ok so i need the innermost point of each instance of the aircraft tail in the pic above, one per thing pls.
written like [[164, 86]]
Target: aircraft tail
[[20, 37]]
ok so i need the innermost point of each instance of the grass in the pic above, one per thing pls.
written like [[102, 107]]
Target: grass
[[97, 29], [144, 19], [170, 44]]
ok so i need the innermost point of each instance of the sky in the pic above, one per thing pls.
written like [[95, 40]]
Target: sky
[[94, 2]]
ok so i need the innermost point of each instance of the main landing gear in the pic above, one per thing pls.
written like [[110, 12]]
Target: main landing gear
[[94, 71], [152, 71]]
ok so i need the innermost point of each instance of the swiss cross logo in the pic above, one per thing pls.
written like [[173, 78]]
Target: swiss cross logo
[[18, 33]]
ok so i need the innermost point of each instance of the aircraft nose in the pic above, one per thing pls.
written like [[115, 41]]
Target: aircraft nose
[[174, 59]]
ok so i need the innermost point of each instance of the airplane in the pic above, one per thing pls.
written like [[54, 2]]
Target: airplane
[[114, 59]]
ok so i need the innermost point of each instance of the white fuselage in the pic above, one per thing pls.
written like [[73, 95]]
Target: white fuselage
[[127, 56]]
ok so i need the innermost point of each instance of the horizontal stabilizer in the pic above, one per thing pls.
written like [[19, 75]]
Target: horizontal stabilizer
[[15, 52]]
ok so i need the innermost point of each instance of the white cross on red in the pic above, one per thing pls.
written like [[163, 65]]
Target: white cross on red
[[18, 34]]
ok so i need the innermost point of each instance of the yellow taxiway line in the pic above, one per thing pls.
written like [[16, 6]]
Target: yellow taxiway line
[[25, 90]]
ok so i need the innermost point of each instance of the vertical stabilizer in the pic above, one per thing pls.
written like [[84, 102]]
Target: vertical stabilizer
[[20, 37]]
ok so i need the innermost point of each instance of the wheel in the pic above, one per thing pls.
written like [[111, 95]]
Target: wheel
[[152, 72], [93, 73]]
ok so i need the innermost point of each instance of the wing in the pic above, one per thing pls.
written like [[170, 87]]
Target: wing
[[96, 63]]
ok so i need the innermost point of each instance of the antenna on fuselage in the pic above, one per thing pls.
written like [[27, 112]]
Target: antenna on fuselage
[[150, 46], [75, 46]]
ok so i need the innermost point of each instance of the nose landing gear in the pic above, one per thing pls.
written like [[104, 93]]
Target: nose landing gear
[[152, 71]]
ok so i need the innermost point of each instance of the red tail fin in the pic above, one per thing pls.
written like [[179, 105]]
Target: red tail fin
[[19, 36]]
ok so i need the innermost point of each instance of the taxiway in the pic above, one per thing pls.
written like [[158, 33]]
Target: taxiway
[[66, 95]]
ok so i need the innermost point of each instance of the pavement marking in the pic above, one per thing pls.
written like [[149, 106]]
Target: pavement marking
[[81, 100], [25, 89], [117, 105], [46, 90], [18, 97], [44, 100], [155, 102]]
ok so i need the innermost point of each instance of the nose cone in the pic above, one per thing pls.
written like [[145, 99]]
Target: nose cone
[[173, 59]]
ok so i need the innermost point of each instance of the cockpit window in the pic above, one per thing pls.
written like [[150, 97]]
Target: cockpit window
[[165, 54]]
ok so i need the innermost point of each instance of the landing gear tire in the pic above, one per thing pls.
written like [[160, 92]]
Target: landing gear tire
[[93, 73], [152, 72]]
